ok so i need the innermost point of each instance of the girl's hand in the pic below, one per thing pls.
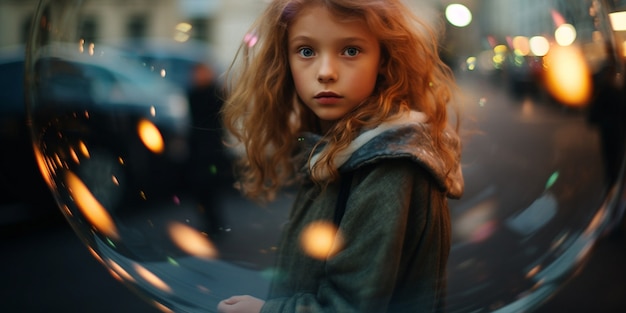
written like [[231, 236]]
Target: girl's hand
[[240, 304]]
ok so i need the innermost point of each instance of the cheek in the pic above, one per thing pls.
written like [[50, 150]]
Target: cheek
[[366, 82], [298, 81]]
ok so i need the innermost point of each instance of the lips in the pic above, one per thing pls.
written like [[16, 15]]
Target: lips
[[327, 94], [327, 97]]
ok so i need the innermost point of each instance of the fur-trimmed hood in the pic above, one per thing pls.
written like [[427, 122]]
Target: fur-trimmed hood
[[404, 137]]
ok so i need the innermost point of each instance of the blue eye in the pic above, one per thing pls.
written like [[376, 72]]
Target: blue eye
[[306, 52], [351, 51]]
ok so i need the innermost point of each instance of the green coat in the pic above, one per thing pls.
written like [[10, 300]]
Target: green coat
[[395, 231]]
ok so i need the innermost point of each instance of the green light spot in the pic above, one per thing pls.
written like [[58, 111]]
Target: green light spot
[[552, 180], [171, 260]]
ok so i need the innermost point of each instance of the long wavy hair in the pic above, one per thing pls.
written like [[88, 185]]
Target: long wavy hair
[[263, 113]]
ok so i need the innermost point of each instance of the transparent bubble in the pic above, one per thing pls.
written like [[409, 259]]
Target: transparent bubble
[[137, 167]]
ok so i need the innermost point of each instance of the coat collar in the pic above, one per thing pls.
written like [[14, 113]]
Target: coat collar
[[407, 136]]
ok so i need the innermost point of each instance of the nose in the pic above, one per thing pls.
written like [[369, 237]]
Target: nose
[[327, 71]]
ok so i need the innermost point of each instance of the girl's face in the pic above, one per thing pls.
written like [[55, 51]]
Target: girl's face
[[334, 63]]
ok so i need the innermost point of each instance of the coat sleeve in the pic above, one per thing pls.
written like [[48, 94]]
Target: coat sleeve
[[385, 227]]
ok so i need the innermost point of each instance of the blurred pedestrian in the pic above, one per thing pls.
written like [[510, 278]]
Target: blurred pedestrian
[[208, 168]]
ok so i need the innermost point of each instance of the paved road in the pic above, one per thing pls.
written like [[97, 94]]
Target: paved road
[[46, 268]]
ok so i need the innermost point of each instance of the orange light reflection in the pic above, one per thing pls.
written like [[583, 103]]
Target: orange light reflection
[[43, 169], [321, 240], [94, 212], [192, 241], [150, 136], [152, 279], [568, 77], [83, 149], [119, 271], [74, 156], [533, 271], [95, 255], [162, 307]]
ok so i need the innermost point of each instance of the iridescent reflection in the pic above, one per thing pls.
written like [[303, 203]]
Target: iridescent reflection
[[126, 134]]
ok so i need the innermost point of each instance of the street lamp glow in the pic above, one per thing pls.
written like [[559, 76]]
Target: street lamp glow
[[521, 45], [458, 15], [618, 20], [539, 45], [565, 35]]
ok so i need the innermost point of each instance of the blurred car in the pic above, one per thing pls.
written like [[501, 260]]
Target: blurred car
[[108, 81], [175, 61], [102, 97], [115, 90], [24, 197]]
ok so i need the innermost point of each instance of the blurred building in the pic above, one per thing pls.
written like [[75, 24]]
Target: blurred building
[[534, 17], [15, 18], [219, 22], [99, 19]]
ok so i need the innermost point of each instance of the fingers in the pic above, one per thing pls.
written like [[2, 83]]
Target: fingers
[[226, 305], [231, 300], [235, 299], [240, 304]]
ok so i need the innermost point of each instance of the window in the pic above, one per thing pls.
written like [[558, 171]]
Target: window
[[200, 29], [25, 29], [137, 26], [88, 29]]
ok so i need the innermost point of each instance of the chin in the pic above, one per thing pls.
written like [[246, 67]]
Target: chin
[[329, 116]]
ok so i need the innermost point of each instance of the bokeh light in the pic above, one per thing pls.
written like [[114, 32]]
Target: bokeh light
[[567, 76], [458, 15], [192, 241], [565, 34], [539, 45], [131, 148], [150, 136], [93, 211], [321, 240]]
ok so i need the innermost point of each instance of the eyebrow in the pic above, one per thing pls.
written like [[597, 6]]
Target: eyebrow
[[345, 40]]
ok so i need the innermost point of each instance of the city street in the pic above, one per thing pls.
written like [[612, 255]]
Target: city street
[[144, 215], [513, 148]]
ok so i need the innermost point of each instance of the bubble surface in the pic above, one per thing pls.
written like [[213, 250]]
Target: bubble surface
[[137, 167]]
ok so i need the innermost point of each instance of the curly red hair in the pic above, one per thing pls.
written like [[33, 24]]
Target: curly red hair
[[263, 112]]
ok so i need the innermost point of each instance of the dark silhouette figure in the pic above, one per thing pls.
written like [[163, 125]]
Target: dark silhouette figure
[[208, 171]]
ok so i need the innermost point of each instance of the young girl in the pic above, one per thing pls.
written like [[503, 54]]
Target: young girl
[[348, 98]]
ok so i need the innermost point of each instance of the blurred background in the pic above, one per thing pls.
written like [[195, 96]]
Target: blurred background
[[46, 267]]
